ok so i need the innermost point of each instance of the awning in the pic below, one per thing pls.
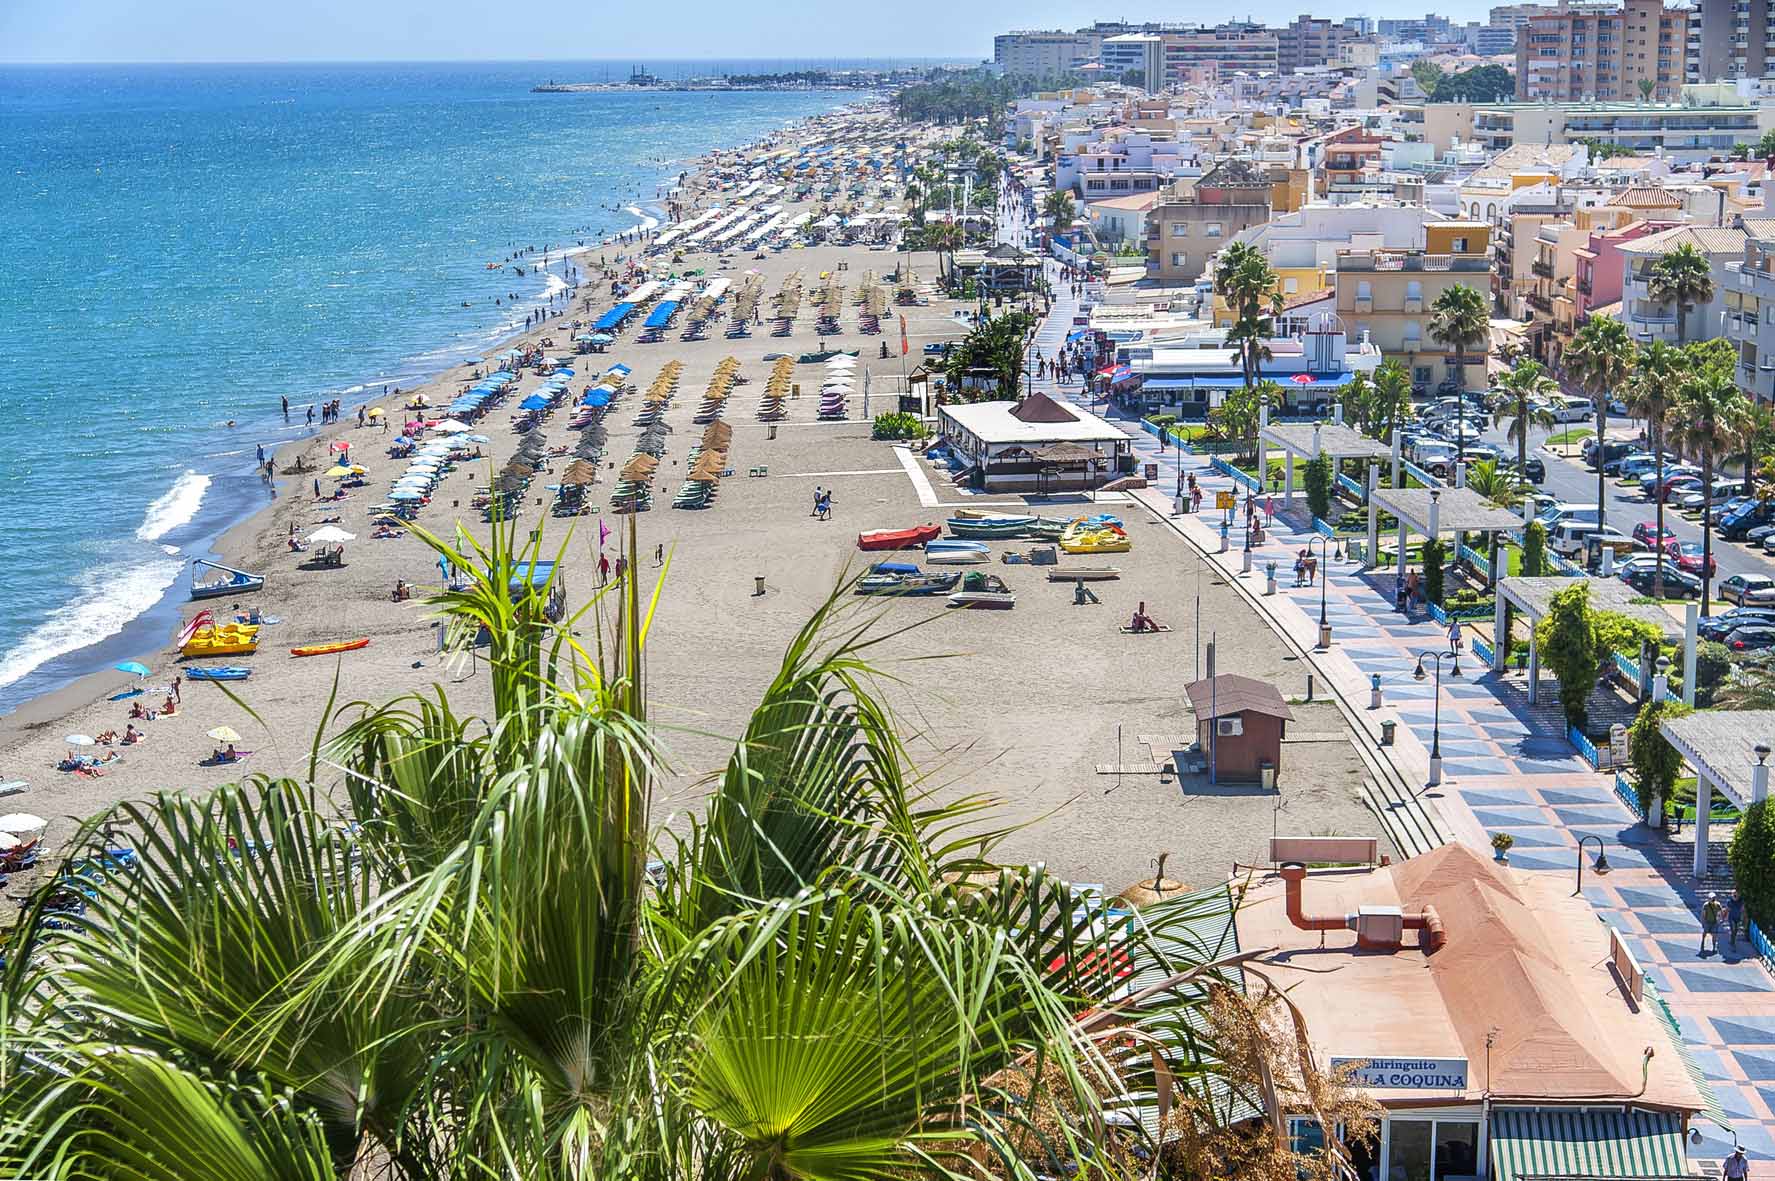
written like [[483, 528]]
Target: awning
[[1555, 1143]]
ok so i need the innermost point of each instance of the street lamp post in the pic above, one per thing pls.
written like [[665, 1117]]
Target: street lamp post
[[1324, 577], [1602, 860], [1454, 671]]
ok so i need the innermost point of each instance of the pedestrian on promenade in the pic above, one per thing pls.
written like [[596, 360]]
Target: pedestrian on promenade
[[1735, 916], [1736, 1168], [1269, 509], [1454, 634], [603, 569], [1710, 923]]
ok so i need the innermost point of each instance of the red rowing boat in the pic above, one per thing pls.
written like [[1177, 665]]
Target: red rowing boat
[[899, 538]]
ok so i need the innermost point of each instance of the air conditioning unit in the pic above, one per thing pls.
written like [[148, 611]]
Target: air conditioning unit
[[1229, 727]]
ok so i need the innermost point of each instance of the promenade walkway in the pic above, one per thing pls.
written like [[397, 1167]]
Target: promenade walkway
[[1506, 768]]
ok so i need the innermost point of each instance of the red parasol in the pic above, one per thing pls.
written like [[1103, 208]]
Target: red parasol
[[1302, 379]]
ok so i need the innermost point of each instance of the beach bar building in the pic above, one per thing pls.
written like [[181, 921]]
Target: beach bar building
[[1035, 445], [1504, 1031], [1242, 721]]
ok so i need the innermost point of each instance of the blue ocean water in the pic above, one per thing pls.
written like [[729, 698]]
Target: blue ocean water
[[187, 245]]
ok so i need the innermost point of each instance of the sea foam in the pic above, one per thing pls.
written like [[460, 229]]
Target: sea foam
[[102, 602], [175, 507]]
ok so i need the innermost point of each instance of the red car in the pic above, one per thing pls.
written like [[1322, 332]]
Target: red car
[[1646, 534], [1688, 556], [1676, 484]]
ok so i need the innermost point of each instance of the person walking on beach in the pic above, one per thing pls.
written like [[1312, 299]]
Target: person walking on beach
[[311, 414], [826, 506], [659, 554], [177, 700], [286, 408], [317, 487], [603, 569], [819, 494], [1710, 923]]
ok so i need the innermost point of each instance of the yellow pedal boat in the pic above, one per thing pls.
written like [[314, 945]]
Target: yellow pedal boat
[[1108, 540], [231, 639]]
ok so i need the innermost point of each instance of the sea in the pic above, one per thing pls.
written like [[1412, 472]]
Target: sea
[[183, 247]]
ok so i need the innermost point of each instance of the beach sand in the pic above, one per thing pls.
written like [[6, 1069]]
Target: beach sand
[[1023, 705]]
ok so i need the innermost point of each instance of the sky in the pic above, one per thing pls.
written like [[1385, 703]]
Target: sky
[[450, 30]]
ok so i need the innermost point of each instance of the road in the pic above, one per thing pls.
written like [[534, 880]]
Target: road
[[1571, 480]]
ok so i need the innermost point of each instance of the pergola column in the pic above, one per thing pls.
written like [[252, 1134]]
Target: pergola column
[[1374, 534], [1263, 449], [1401, 547], [1398, 458], [1703, 805], [1288, 476], [1500, 633], [1691, 625], [1534, 667]]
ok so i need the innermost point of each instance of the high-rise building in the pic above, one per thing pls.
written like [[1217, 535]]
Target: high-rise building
[[1230, 48], [1732, 39], [1041, 52], [1513, 16], [1603, 52], [1308, 42], [1492, 40]]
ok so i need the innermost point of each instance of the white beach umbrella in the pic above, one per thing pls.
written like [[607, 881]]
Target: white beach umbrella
[[81, 740], [452, 426], [22, 823], [8, 841], [840, 362], [330, 534]]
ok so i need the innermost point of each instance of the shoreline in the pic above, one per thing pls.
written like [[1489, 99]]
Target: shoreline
[[236, 523]]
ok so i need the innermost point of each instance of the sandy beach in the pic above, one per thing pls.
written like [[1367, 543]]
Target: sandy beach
[[1025, 705]]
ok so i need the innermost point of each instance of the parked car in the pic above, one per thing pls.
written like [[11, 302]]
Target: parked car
[[1760, 534], [1713, 627], [1648, 482], [1723, 497], [1635, 466], [1748, 588], [1689, 554], [1609, 450], [1614, 466], [1534, 473], [1646, 534], [1738, 524], [1678, 584], [1677, 487], [1750, 638], [1572, 410]]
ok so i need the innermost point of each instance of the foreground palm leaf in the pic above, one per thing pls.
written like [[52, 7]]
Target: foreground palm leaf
[[441, 955]]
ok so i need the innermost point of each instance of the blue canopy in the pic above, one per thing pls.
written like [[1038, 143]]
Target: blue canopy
[[596, 397], [662, 315], [613, 318], [534, 402], [1076, 334], [536, 574], [619, 369]]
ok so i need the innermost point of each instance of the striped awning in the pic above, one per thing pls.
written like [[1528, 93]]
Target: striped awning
[[1555, 1143]]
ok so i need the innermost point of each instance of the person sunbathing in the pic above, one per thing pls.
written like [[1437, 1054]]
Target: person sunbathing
[[106, 737], [169, 706], [136, 710], [296, 546], [131, 735], [1142, 622]]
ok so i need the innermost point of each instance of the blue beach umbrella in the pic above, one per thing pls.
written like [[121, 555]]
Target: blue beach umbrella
[[133, 667], [534, 402]]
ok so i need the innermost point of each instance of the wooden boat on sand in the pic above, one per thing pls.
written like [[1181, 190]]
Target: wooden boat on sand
[[983, 591], [886, 539], [1084, 574]]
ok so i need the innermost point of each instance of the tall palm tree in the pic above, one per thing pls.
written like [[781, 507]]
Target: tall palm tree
[[462, 966], [1682, 277], [1499, 485], [1058, 208], [1245, 279], [1709, 421], [1600, 357], [1650, 392], [1525, 385], [1460, 319]]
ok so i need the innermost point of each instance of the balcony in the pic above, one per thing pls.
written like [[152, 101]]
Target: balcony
[[1408, 260], [1583, 285], [1414, 304], [1539, 302], [1365, 303], [1541, 269]]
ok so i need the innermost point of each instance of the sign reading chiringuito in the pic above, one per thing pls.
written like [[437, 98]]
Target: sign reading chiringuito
[[1408, 1074]]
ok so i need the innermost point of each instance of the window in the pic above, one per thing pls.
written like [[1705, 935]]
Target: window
[[1421, 374], [1414, 289], [1291, 286], [1364, 289], [1211, 230], [1180, 229], [1458, 246], [1179, 258]]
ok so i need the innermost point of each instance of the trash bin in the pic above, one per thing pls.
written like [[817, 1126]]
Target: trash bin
[[1266, 772], [1387, 730]]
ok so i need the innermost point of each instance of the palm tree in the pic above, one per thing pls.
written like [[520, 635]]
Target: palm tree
[[1057, 208], [1245, 279], [1682, 277], [1600, 357], [1392, 397], [1525, 386], [462, 966], [1709, 421], [1460, 319], [1650, 392], [1499, 485]]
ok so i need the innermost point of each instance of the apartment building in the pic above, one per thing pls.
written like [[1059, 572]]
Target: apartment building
[[1119, 163], [1302, 246], [1186, 230], [1603, 52], [1516, 259], [1230, 49], [1749, 309], [1310, 41], [1650, 320], [1732, 39], [1683, 133], [1386, 296], [1041, 53]]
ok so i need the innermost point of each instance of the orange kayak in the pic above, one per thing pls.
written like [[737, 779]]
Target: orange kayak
[[329, 649]]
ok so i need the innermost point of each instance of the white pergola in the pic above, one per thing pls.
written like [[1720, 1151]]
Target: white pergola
[[1332, 439], [1729, 750], [1533, 597], [1433, 512]]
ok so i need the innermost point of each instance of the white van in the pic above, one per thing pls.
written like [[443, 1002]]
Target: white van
[[1556, 515], [1570, 538], [1572, 409]]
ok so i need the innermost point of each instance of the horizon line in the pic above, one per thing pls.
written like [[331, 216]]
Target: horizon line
[[458, 61]]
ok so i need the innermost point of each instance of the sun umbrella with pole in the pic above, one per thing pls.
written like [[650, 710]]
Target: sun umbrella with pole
[[22, 823], [1158, 888], [134, 668], [224, 734], [330, 535]]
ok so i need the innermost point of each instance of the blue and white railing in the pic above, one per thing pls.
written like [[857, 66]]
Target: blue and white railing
[[1238, 477]]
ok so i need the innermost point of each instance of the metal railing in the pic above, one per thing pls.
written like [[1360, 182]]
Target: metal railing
[[1585, 747], [1419, 474], [1352, 487], [1629, 795], [1481, 565], [1483, 651], [1238, 477]]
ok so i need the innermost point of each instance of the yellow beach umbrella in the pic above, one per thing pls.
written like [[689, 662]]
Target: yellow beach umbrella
[[377, 412], [224, 734], [337, 470]]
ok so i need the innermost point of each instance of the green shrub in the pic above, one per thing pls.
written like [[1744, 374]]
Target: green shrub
[[1318, 481], [1534, 550], [1655, 763], [1713, 664], [1567, 637], [898, 425], [1433, 571], [1752, 857]]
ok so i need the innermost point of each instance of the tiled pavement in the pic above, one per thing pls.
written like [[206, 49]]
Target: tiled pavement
[[1509, 769]]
